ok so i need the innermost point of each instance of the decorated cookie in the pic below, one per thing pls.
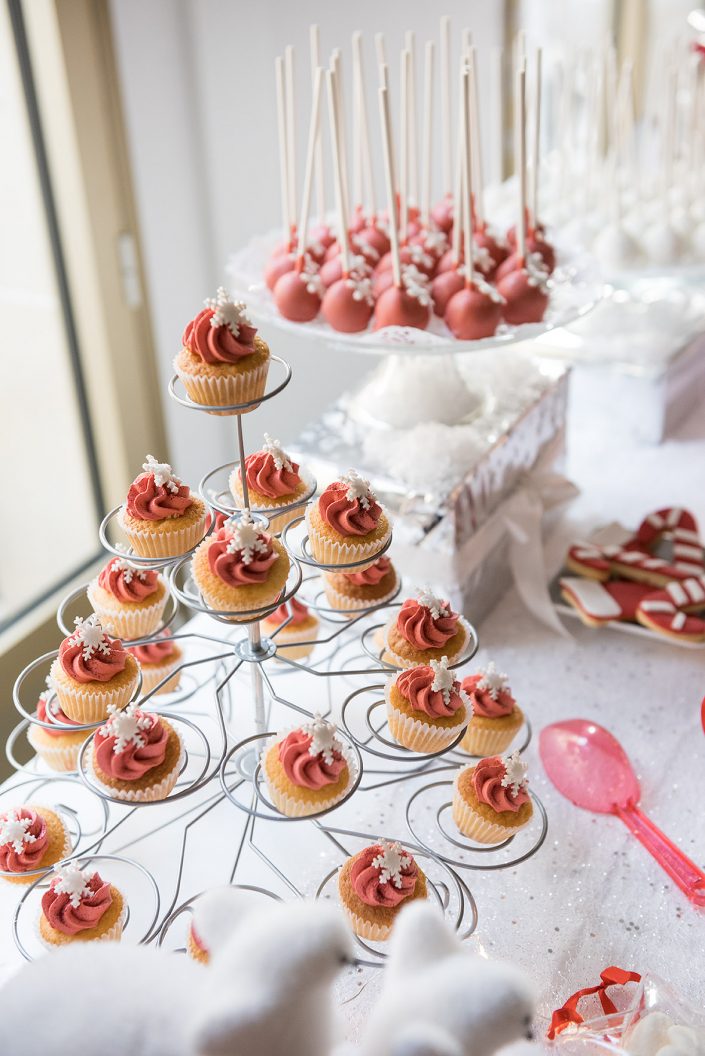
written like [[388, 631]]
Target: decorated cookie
[[598, 603], [671, 611]]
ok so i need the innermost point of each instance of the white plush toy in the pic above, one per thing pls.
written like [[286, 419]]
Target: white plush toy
[[266, 991], [440, 1000]]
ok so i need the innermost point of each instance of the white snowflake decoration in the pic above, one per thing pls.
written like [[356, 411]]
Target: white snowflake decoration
[[416, 285], [315, 248], [536, 271], [436, 242], [358, 488], [483, 259], [227, 312], [71, 880], [311, 278], [126, 727], [273, 447], [361, 286], [246, 538], [163, 474], [493, 681], [431, 601], [443, 679], [90, 634], [359, 266], [391, 862], [129, 571], [13, 832], [324, 741], [515, 770], [368, 252]]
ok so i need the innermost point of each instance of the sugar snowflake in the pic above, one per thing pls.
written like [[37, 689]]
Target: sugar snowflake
[[358, 488], [443, 680], [391, 862], [368, 252], [493, 681], [416, 284], [324, 741], [73, 881], [536, 271], [311, 277], [246, 538], [90, 634], [431, 601], [162, 473], [515, 770], [361, 286], [273, 447], [129, 571], [227, 312], [436, 241], [126, 726], [13, 831]]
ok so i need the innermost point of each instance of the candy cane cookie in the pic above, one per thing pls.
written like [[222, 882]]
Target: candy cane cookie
[[671, 611], [599, 603]]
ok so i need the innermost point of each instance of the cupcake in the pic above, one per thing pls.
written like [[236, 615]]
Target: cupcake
[[157, 659], [496, 717], [273, 481], [353, 591], [346, 523], [137, 755], [59, 745], [301, 628], [80, 907], [426, 707], [93, 672], [425, 629], [128, 600], [223, 361], [195, 946], [31, 839], [240, 568], [161, 517], [490, 800], [306, 770], [374, 886]]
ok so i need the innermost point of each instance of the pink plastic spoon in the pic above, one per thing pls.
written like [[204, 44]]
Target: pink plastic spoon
[[590, 768]]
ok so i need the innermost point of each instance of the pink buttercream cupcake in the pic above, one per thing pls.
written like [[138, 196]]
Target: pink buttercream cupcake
[[274, 480], [92, 672], [496, 716], [307, 770], [426, 707], [425, 629], [158, 659], [58, 745], [80, 907], [375, 885], [302, 628], [128, 600], [346, 523], [161, 518], [32, 839], [362, 589], [490, 800], [137, 755]]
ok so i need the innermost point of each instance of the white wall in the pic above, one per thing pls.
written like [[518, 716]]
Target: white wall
[[197, 83]]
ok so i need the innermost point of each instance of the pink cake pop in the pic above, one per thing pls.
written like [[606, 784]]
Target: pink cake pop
[[536, 242], [474, 312], [525, 296], [277, 267], [442, 213], [376, 237], [444, 286], [398, 307], [298, 293], [332, 270], [322, 235], [348, 303]]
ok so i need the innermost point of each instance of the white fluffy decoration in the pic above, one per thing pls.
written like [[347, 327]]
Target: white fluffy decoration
[[440, 1000], [266, 992], [428, 457], [656, 1034]]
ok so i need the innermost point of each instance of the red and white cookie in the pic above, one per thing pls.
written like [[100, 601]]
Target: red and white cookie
[[682, 529], [598, 603], [670, 612]]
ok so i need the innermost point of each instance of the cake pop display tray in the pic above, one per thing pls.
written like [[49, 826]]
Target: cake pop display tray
[[576, 287]]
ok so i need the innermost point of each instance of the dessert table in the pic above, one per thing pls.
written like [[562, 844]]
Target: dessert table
[[591, 896]]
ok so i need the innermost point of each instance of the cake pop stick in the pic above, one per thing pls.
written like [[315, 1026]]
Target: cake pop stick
[[412, 180], [336, 153], [536, 158], [313, 139], [290, 125], [520, 141], [447, 153], [380, 49], [466, 140], [366, 175], [477, 175], [337, 65], [283, 148], [390, 181], [427, 134], [403, 145], [497, 94], [315, 47]]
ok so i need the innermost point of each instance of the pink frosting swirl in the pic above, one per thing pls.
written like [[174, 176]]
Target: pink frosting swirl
[[217, 344], [415, 622], [70, 919], [154, 652], [305, 770], [149, 501], [99, 667], [371, 576], [483, 703], [415, 686], [299, 613], [14, 861], [231, 568], [263, 476], [53, 713], [366, 881], [487, 782], [134, 761], [345, 517], [126, 583]]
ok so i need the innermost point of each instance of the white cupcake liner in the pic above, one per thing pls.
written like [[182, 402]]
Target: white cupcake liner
[[158, 545], [484, 742], [296, 808], [415, 735], [144, 795], [344, 603], [400, 661], [123, 622], [59, 757], [85, 706], [365, 929], [330, 552], [152, 674], [111, 935], [474, 826], [223, 390]]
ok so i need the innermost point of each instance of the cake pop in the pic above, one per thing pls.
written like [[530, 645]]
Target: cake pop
[[525, 295], [474, 311], [277, 267], [397, 306], [298, 293], [332, 270], [444, 286], [536, 242], [375, 236], [442, 213], [348, 303]]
